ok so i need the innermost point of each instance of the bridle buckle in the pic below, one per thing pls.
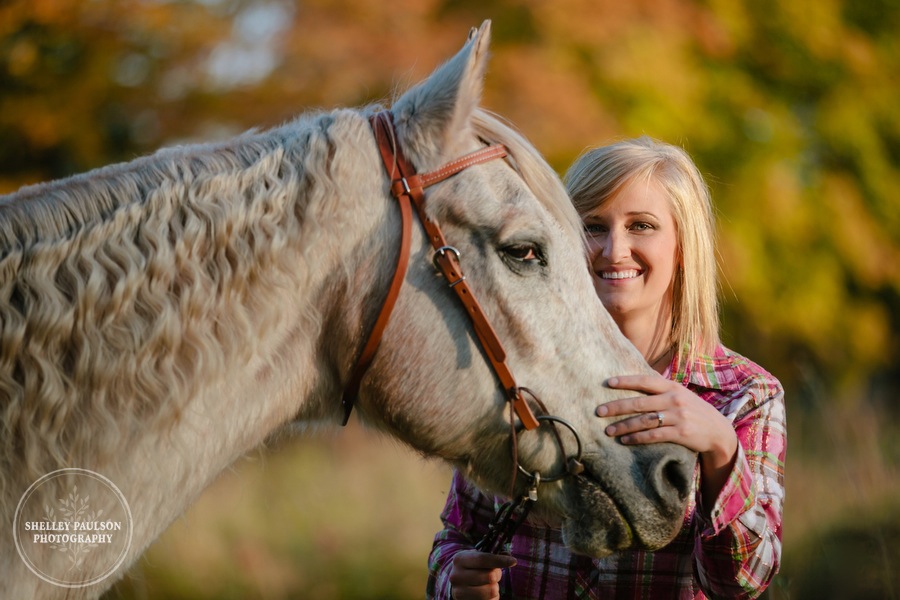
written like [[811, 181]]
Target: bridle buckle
[[442, 251]]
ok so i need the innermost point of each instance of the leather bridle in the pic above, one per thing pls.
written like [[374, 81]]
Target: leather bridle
[[408, 188]]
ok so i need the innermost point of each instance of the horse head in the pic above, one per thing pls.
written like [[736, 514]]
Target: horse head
[[520, 244]]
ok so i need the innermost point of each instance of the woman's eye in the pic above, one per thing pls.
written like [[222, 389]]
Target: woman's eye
[[594, 230], [522, 252], [641, 226]]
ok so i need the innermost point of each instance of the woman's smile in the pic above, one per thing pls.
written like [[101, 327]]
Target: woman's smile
[[620, 275]]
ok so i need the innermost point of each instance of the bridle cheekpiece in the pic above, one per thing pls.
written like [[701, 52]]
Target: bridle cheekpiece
[[408, 188]]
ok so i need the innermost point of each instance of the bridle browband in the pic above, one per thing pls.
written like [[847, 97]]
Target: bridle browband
[[408, 187]]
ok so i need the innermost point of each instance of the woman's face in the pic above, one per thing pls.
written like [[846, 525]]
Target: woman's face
[[633, 251]]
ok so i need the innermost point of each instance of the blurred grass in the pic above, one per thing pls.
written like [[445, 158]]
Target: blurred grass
[[351, 514], [842, 510], [338, 514]]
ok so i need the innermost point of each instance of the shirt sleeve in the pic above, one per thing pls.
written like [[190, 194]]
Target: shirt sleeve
[[738, 547], [466, 517]]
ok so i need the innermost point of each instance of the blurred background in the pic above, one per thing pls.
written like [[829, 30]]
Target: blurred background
[[791, 108]]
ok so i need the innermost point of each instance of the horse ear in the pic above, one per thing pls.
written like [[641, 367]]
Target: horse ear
[[433, 118]]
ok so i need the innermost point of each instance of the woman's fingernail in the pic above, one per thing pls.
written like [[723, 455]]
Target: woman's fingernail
[[601, 411], [610, 430], [612, 381]]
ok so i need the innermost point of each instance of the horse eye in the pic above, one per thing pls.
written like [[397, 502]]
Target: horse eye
[[522, 252]]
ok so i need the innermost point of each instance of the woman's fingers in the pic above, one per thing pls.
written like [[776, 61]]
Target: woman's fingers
[[477, 574], [654, 385], [668, 413], [645, 428], [651, 418]]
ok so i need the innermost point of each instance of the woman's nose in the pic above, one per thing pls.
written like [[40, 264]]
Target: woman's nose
[[613, 246]]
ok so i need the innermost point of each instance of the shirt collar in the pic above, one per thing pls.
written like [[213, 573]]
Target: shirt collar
[[715, 371]]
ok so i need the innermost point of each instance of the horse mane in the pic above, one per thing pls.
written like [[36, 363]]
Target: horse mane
[[67, 207], [125, 289]]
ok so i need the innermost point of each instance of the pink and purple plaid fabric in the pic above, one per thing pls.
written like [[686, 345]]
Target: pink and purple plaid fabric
[[733, 551]]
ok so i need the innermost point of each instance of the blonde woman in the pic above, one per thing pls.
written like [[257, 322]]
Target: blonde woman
[[650, 230]]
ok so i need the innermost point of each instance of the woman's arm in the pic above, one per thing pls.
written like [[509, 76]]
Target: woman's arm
[[738, 549], [455, 568]]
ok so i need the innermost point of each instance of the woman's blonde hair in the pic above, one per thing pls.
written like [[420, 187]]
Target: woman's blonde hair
[[600, 172]]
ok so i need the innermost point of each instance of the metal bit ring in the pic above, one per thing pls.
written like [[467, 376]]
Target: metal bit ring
[[567, 461]]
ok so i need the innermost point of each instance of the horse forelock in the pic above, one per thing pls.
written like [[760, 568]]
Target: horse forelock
[[126, 289], [537, 174]]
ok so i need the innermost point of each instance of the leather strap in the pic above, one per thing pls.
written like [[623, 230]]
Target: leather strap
[[368, 352], [406, 186]]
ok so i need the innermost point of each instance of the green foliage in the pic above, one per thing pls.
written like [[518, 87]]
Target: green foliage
[[85, 84]]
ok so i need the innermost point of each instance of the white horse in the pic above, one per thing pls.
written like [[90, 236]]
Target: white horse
[[160, 318]]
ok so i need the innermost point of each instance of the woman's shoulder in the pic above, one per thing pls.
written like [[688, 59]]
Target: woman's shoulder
[[727, 376]]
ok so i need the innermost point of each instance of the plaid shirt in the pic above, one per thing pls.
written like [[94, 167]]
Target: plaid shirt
[[732, 553]]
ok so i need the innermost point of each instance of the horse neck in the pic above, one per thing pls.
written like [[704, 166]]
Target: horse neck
[[221, 362], [307, 320], [303, 308]]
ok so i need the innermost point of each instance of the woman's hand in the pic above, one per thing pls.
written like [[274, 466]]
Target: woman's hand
[[477, 574], [672, 413]]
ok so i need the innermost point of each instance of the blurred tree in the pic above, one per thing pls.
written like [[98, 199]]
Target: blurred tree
[[87, 83], [790, 108]]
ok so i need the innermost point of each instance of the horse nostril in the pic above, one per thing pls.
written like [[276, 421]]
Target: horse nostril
[[677, 474]]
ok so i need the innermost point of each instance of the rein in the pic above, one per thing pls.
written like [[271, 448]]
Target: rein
[[408, 188]]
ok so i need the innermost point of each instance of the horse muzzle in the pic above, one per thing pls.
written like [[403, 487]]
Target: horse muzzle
[[643, 507]]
